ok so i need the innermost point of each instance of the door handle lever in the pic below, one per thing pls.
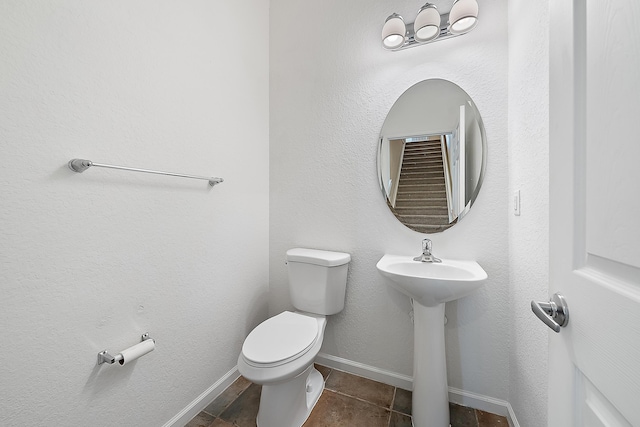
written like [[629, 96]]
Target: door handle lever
[[555, 313]]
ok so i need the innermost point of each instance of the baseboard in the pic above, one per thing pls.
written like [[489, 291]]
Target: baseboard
[[200, 402], [460, 397], [366, 371], [483, 403]]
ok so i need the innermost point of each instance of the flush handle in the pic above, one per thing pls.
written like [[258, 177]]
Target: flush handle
[[554, 314]]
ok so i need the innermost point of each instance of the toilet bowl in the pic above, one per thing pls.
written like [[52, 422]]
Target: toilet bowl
[[279, 353]]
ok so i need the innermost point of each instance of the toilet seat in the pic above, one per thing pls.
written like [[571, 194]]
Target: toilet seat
[[280, 339]]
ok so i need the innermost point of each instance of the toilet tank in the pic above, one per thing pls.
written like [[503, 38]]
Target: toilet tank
[[317, 280]]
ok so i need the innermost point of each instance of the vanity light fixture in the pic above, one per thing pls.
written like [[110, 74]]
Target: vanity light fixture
[[427, 24], [430, 25], [393, 32], [463, 16]]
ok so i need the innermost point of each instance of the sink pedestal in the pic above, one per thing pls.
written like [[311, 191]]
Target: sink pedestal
[[430, 285], [430, 391]]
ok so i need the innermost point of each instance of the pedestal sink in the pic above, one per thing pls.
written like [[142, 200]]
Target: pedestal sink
[[430, 285]]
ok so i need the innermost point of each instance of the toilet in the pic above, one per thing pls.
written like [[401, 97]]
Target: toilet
[[279, 352]]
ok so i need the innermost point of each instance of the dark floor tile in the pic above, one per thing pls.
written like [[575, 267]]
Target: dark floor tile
[[402, 401], [201, 420], [336, 410], [461, 416], [221, 423], [323, 370], [400, 420], [363, 388], [487, 419], [243, 411], [220, 403]]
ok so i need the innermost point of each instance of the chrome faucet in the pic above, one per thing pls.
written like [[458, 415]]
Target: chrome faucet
[[427, 256]]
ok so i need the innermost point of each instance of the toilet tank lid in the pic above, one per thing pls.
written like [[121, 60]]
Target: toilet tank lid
[[318, 257]]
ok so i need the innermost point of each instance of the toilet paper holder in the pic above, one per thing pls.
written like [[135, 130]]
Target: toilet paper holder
[[105, 357]]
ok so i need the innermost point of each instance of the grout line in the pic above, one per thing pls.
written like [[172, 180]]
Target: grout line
[[358, 399], [475, 414], [228, 404], [393, 402], [393, 399], [328, 375], [390, 408], [232, 402], [360, 376]]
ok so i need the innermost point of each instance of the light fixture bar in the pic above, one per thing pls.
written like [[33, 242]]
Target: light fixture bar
[[399, 35], [444, 33]]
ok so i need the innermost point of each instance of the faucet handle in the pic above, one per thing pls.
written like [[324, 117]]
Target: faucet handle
[[427, 245], [426, 252]]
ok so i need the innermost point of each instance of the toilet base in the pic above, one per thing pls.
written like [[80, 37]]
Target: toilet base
[[289, 403]]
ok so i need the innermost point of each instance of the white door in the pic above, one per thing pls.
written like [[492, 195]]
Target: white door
[[594, 377]]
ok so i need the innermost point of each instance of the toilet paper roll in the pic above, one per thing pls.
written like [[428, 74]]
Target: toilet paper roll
[[132, 353]]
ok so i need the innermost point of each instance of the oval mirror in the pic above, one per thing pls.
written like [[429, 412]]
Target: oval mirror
[[431, 156]]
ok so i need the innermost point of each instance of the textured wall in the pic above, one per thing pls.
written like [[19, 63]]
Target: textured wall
[[91, 261], [529, 233], [332, 85]]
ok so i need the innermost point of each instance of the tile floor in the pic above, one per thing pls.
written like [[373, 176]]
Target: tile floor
[[347, 401]]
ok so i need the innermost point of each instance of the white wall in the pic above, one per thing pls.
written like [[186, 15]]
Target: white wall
[[529, 232], [330, 93], [92, 261], [405, 119]]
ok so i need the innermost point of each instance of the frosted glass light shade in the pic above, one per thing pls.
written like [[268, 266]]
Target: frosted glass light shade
[[393, 32], [427, 24], [463, 16]]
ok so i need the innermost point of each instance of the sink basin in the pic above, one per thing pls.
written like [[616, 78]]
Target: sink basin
[[430, 283]]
